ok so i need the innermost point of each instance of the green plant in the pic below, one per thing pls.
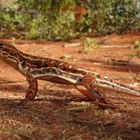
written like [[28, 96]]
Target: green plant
[[136, 49], [59, 27], [89, 45], [56, 19]]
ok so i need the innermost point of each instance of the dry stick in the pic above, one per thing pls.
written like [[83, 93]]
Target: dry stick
[[10, 82]]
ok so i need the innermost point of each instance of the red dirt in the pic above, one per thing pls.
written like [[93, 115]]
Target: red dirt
[[60, 111]]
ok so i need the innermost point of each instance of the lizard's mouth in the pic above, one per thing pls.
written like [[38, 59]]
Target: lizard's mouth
[[1, 44]]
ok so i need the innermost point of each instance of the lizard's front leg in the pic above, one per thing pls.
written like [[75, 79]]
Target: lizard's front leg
[[32, 89]]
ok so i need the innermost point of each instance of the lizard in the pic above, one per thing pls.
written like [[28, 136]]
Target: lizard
[[36, 68]]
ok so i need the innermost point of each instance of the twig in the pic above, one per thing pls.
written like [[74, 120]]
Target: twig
[[10, 82]]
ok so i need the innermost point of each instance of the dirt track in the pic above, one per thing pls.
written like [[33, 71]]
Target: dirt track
[[61, 112]]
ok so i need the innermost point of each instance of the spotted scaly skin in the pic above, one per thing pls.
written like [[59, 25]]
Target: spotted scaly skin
[[37, 68]]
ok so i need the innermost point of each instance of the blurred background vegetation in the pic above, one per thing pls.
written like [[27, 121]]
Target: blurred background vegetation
[[67, 19]]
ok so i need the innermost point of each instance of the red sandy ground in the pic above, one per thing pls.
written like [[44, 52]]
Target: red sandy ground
[[60, 112]]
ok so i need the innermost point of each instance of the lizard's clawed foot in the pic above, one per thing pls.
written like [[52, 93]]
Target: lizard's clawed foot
[[22, 102], [104, 105]]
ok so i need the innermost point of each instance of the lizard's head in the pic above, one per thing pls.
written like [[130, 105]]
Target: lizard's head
[[8, 51], [3, 49], [6, 48]]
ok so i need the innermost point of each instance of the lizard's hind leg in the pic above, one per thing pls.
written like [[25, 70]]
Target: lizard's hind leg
[[86, 93], [85, 86], [92, 92]]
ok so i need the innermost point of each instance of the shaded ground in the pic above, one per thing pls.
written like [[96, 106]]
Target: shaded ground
[[61, 112]]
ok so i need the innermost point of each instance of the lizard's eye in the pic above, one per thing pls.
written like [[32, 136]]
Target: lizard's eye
[[1, 44]]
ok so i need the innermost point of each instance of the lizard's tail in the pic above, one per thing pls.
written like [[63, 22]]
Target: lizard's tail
[[116, 87]]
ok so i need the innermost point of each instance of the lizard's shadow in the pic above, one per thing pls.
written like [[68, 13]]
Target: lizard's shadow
[[42, 109], [58, 95], [52, 99]]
